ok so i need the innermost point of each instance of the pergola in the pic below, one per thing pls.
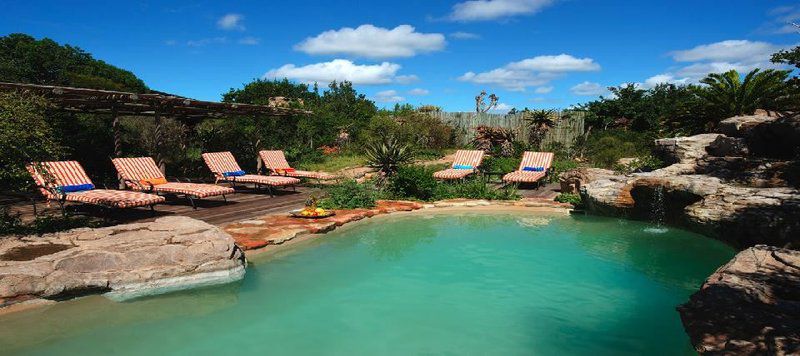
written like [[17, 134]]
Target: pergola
[[153, 104]]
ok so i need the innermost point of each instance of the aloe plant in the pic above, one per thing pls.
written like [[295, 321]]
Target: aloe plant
[[388, 154]]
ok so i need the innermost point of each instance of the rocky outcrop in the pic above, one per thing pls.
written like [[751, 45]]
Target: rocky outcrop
[[572, 181], [714, 187], [740, 126], [750, 306], [683, 149], [125, 260]]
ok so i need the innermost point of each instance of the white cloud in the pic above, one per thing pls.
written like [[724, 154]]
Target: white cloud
[[589, 89], [207, 41], [543, 90], [373, 42], [536, 71], [231, 22], [388, 96], [418, 91], [661, 79], [718, 57], [459, 35], [728, 51], [341, 69], [249, 41], [485, 10], [559, 63], [501, 108]]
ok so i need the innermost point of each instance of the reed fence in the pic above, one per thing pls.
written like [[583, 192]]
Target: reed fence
[[569, 125]]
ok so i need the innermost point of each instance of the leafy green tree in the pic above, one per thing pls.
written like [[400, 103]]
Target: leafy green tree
[[728, 94], [25, 136], [24, 59]]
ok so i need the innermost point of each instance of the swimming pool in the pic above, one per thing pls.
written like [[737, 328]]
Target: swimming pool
[[452, 283]]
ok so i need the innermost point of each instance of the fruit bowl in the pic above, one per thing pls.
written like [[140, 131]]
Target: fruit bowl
[[317, 213]]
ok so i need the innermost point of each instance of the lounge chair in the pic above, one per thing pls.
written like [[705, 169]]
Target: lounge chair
[[532, 169], [465, 162], [225, 169], [66, 181], [142, 174], [276, 163]]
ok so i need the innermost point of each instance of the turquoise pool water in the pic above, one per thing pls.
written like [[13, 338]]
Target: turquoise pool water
[[501, 284]]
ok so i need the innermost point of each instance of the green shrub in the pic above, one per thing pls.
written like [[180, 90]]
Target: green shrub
[[475, 188], [349, 195], [500, 164], [574, 199], [604, 149], [413, 182], [645, 163]]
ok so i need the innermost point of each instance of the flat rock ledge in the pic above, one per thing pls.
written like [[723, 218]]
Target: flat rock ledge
[[123, 261], [750, 306], [279, 228]]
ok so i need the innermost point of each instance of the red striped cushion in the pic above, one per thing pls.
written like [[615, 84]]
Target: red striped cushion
[[275, 181], [195, 189], [536, 159], [115, 198], [308, 174], [57, 174], [274, 159], [468, 158], [452, 173], [523, 177], [137, 168], [221, 162]]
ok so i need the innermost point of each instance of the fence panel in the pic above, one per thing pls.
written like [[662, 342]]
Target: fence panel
[[569, 125]]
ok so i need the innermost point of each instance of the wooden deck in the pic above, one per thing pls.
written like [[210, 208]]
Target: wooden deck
[[245, 204]]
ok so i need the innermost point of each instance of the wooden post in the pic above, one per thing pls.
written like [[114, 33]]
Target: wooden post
[[159, 136]]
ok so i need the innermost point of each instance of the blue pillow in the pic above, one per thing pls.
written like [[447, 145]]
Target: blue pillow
[[233, 174], [462, 166], [76, 188], [533, 169]]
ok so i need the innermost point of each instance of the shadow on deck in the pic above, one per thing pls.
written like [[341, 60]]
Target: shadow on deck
[[245, 204]]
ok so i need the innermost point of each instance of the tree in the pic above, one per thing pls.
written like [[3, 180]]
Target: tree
[[727, 94], [480, 102], [23, 59], [539, 122]]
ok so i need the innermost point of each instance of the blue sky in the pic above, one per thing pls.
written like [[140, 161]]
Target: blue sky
[[534, 53]]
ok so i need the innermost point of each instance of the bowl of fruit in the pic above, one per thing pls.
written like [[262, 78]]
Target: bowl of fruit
[[311, 211]]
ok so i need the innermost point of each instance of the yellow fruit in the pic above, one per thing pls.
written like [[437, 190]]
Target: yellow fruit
[[319, 210]]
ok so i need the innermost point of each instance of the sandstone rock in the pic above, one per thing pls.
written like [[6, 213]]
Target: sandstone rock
[[740, 126], [740, 216], [724, 146], [778, 139], [572, 180], [749, 306], [683, 149], [126, 260]]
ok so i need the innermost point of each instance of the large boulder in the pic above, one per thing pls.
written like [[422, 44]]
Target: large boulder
[[125, 260], [778, 139], [750, 306], [740, 126], [741, 216], [572, 180], [683, 149]]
